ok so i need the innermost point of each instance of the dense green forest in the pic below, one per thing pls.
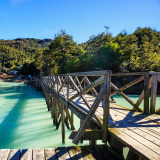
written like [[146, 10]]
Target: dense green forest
[[139, 51], [15, 53]]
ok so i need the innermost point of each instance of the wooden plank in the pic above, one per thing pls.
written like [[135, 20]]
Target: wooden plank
[[141, 136], [14, 154], [96, 134], [50, 154], [137, 128], [142, 140], [4, 153], [90, 115], [153, 94], [74, 153], [26, 154], [133, 144], [62, 153], [106, 108], [38, 154], [146, 93], [147, 122], [62, 120]]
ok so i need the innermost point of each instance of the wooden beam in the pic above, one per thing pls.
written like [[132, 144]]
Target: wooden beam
[[62, 119], [132, 156], [139, 101], [89, 134], [123, 95], [77, 111], [153, 94], [70, 118], [86, 102], [89, 83], [62, 85], [88, 88], [146, 93], [62, 88], [91, 73], [79, 84], [106, 108], [128, 85], [90, 115]]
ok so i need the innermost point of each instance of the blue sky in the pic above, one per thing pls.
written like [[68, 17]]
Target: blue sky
[[79, 18]]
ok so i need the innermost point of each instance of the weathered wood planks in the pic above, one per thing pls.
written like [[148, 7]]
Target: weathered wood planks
[[60, 153]]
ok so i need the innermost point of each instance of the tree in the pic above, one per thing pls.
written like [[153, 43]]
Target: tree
[[61, 50], [110, 57]]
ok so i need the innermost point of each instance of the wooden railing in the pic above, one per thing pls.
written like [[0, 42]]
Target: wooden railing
[[98, 84], [150, 83], [80, 83]]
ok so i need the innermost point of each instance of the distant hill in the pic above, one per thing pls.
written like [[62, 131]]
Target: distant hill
[[24, 43], [18, 51]]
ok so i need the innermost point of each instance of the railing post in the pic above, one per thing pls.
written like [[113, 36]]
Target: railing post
[[67, 90], [62, 120], [146, 93], [153, 93], [106, 108]]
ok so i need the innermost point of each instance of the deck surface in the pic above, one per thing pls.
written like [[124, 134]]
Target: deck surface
[[135, 130], [98, 152]]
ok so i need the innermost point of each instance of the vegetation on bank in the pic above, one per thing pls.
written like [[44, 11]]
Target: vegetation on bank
[[139, 51]]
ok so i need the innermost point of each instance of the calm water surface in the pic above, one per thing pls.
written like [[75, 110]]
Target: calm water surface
[[25, 121]]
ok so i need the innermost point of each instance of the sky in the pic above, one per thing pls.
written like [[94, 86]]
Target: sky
[[80, 18]]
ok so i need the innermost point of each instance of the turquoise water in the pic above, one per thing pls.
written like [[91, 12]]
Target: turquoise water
[[25, 121], [121, 101]]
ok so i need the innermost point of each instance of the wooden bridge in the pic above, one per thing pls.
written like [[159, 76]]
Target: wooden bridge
[[88, 95]]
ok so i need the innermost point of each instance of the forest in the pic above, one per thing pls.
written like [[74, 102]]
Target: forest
[[139, 51]]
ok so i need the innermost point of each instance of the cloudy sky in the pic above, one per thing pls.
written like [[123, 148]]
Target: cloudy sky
[[79, 18]]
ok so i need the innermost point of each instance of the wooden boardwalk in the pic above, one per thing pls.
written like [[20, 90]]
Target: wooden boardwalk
[[101, 119], [98, 152]]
